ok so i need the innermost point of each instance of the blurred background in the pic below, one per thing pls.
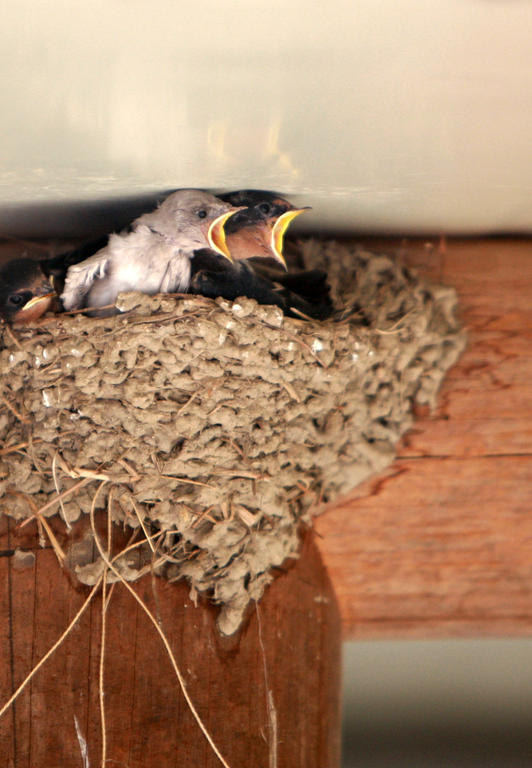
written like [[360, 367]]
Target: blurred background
[[383, 115], [435, 703], [386, 117]]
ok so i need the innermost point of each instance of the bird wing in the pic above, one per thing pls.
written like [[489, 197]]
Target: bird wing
[[176, 277], [80, 278], [58, 265]]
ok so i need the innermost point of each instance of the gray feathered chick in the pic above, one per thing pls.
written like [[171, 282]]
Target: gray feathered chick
[[154, 256]]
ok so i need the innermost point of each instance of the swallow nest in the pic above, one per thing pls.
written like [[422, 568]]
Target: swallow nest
[[218, 427]]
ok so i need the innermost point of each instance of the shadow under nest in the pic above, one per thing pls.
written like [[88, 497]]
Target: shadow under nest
[[219, 427]]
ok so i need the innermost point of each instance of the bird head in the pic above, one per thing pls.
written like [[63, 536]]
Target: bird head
[[25, 291], [261, 225], [193, 219]]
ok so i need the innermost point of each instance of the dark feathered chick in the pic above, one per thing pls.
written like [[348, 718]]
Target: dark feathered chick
[[258, 231], [25, 290], [255, 236]]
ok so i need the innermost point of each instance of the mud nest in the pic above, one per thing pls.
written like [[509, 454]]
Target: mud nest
[[219, 426]]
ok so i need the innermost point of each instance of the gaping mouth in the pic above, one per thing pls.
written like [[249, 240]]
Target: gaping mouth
[[34, 308], [278, 232], [216, 234]]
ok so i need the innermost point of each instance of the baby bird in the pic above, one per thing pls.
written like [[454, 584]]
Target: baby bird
[[258, 231], [154, 256], [26, 292]]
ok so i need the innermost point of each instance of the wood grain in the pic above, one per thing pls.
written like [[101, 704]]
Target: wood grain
[[442, 543], [294, 653]]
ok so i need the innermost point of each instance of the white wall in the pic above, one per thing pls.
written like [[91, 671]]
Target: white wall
[[384, 114]]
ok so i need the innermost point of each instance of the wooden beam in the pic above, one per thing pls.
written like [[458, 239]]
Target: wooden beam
[[441, 544]]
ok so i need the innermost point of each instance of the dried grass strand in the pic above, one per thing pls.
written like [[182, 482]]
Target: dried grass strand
[[17, 414], [17, 447], [51, 503], [298, 341], [12, 335], [186, 480], [58, 550], [137, 544], [141, 522], [42, 525], [396, 327]]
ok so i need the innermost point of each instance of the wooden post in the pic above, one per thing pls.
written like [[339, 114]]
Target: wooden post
[[269, 696]]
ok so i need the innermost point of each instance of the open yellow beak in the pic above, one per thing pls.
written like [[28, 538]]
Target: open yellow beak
[[216, 233], [278, 232], [34, 308], [37, 300]]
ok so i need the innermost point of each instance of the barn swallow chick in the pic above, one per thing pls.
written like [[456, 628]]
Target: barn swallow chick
[[259, 230], [154, 256], [25, 291]]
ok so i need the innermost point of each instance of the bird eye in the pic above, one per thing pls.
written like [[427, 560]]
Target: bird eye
[[265, 207], [16, 299], [202, 214]]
